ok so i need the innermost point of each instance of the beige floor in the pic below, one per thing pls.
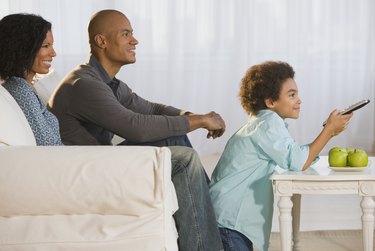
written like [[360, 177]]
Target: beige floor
[[343, 240]]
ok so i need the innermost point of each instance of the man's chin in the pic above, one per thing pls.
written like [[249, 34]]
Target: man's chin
[[129, 61]]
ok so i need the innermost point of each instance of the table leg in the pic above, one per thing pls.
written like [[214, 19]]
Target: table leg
[[367, 205], [285, 207], [296, 212]]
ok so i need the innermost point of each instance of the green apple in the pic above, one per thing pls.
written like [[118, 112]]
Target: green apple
[[338, 157], [358, 158], [350, 150]]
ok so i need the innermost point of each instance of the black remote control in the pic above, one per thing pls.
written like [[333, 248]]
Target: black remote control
[[352, 108]]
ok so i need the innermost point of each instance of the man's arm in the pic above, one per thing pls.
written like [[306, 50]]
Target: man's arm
[[132, 101], [210, 121]]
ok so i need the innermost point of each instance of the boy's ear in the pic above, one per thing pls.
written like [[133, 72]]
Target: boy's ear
[[269, 103]]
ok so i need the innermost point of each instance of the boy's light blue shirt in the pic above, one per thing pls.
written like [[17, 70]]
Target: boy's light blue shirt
[[240, 188]]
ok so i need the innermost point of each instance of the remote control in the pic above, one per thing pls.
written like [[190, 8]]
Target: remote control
[[352, 108]]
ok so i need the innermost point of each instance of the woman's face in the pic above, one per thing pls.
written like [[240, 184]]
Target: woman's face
[[43, 59]]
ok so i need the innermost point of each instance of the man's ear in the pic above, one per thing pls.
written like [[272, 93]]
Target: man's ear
[[269, 103], [100, 41]]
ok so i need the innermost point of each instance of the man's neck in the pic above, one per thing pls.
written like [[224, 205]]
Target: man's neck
[[110, 67]]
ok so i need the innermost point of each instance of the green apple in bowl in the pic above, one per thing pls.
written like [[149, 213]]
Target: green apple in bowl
[[338, 157], [358, 158], [350, 150]]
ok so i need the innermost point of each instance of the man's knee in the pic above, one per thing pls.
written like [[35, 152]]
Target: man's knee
[[185, 158], [179, 152]]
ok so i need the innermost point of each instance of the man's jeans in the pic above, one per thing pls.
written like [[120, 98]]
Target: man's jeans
[[195, 219], [235, 241]]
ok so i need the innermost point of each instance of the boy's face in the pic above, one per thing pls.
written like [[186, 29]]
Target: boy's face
[[288, 104]]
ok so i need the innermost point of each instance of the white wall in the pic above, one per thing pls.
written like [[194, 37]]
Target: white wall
[[199, 50]]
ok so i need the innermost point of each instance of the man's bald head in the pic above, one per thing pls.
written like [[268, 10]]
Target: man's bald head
[[101, 23], [111, 40]]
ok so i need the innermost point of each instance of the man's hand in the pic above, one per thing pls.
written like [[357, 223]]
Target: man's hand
[[215, 133], [216, 125], [211, 121]]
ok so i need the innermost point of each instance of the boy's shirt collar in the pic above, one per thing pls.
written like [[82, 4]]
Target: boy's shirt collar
[[266, 112]]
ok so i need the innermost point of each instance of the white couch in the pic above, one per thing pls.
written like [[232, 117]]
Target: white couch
[[81, 197]]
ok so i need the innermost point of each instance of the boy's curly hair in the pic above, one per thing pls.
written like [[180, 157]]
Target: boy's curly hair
[[261, 82]]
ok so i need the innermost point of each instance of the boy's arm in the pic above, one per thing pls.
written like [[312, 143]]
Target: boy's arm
[[336, 123]]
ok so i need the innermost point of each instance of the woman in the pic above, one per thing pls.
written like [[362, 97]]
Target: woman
[[26, 48]]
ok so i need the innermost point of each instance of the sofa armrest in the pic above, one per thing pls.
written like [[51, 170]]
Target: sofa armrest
[[126, 180]]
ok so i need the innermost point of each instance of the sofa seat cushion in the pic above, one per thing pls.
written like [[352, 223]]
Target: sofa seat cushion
[[88, 232]]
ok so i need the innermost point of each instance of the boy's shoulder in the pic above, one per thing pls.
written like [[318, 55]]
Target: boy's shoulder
[[268, 117], [263, 121]]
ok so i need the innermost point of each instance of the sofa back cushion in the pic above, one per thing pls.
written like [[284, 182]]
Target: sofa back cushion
[[46, 85], [14, 128], [129, 180]]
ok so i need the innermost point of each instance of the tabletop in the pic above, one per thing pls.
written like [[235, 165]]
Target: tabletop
[[321, 171]]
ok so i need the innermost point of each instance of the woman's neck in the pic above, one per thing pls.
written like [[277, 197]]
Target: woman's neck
[[29, 80]]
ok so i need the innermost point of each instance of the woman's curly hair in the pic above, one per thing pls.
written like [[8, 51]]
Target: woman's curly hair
[[261, 82], [21, 37]]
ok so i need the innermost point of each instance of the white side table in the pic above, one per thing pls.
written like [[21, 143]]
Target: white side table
[[289, 186]]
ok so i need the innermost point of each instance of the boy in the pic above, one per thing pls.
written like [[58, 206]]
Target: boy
[[240, 188]]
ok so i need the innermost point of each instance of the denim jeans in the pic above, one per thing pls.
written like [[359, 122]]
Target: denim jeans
[[195, 219], [171, 141], [235, 241]]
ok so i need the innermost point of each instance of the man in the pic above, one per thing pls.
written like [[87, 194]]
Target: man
[[92, 105]]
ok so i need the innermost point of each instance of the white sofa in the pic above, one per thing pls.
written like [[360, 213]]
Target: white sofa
[[81, 197]]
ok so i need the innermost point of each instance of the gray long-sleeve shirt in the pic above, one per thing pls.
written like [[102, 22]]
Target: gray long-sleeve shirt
[[91, 107]]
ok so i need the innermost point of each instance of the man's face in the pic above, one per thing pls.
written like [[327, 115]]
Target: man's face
[[121, 42]]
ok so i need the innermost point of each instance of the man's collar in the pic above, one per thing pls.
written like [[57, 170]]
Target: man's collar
[[93, 61]]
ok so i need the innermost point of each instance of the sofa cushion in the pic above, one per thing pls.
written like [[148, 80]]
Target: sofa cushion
[[14, 128], [78, 198], [83, 180], [46, 85]]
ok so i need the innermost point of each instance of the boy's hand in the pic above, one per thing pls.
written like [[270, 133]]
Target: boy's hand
[[337, 123]]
